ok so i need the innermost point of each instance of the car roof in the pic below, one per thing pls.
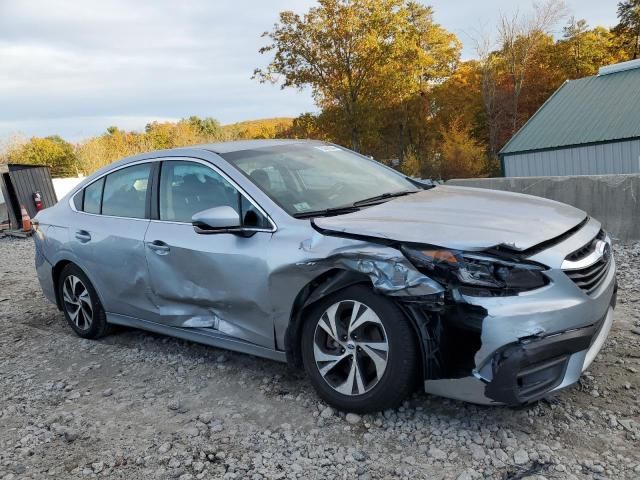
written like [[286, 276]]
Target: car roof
[[218, 148], [238, 145]]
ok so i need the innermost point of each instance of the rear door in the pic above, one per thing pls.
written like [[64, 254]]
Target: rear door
[[107, 238], [216, 281]]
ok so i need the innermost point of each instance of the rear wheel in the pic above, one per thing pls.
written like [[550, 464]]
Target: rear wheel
[[359, 350], [80, 303]]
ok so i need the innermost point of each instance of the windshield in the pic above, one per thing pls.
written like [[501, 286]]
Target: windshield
[[304, 178]]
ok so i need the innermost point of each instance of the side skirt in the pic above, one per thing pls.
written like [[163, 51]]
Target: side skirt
[[206, 336]]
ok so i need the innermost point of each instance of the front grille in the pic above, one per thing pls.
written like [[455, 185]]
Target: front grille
[[589, 278], [587, 248]]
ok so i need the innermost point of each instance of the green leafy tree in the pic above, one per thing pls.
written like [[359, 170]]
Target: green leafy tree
[[584, 50], [208, 128], [629, 26]]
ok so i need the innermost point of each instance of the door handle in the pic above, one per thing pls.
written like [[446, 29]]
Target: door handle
[[159, 247], [83, 236]]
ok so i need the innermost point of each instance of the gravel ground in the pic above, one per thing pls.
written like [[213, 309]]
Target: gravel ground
[[137, 405]]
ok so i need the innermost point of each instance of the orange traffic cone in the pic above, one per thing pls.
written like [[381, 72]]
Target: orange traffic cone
[[26, 219]]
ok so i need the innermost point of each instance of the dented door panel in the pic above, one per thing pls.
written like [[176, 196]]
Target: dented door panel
[[213, 281]]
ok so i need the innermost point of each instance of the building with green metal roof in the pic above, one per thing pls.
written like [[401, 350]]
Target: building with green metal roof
[[589, 126]]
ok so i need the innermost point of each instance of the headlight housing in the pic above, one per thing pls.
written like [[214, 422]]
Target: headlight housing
[[485, 274]]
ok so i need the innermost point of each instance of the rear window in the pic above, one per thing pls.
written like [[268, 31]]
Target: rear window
[[125, 192], [93, 197]]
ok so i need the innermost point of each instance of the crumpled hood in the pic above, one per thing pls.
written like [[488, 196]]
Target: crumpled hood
[[461, 218]]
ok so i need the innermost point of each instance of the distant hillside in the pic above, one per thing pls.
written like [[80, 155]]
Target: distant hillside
[[261, 128], [66, 159]]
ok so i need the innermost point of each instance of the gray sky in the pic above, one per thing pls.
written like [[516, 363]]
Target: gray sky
[[74, 67]]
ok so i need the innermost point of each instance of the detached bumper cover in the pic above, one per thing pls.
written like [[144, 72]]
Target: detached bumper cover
[[528, 371]]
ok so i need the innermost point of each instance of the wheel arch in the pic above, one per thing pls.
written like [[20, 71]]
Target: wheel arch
[[325, 284], [56, 272], [55, 275]]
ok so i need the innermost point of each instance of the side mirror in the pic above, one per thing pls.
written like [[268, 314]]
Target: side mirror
[[216, 220]]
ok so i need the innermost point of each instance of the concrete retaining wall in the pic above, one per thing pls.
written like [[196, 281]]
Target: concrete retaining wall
[[612, 199]]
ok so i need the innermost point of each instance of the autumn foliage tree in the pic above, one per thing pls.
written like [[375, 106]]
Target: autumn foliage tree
[[116, 143], [461, 155], [51, 151], [388, 81], [358, 54]]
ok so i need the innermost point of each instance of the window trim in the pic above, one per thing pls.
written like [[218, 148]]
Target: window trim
[[216, 169], [81, 191], [104, 180], [154, 197]]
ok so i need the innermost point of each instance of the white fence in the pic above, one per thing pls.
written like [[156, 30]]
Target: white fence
[[62, 186]]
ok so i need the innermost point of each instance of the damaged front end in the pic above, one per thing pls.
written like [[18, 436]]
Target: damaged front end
[[496, 326], [511, 329]]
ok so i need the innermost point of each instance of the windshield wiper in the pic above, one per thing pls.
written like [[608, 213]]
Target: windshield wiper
[[327, 212], [354, 207], [384, 196]]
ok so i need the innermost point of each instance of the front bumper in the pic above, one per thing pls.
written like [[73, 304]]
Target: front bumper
[[526, 346], [526, 372]]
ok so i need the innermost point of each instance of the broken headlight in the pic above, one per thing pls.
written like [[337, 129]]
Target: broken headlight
[[477, 270]]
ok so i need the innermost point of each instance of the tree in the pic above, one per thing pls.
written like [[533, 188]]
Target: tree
[[574, 33], [355, 54], [584, 50], [461, 155], [519, 38], [629, 25], [488, 65], [51, 151], [411, 164], [208, 127]]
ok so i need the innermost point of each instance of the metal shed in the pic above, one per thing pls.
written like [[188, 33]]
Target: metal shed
[[18, 184], [589, 126]]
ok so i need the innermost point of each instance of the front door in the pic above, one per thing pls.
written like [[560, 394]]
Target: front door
[[216, 281]]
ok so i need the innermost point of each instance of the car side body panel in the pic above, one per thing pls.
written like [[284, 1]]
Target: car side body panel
[[211, 281]]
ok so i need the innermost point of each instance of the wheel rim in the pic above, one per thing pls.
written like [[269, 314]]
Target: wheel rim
[[350, 347], [77, 302]]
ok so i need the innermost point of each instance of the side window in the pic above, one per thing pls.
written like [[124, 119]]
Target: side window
[[252, 216], [93, 197], [188, 187], [78, 199], [125, 192]]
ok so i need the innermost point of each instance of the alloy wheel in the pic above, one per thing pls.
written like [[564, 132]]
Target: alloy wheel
[[77, 302], [350, 347]]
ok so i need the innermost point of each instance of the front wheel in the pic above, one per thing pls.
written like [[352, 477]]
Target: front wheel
[[359, 350]]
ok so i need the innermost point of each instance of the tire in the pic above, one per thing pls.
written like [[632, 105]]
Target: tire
[[80, 304], [380, 379]]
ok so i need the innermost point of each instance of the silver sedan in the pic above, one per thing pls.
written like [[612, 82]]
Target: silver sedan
[[308, 253]]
